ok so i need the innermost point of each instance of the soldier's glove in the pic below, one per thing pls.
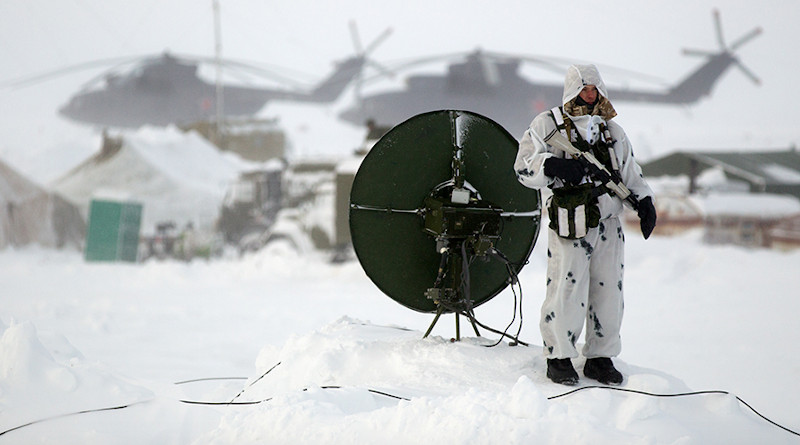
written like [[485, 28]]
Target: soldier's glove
[[647, 216], [568, 170]]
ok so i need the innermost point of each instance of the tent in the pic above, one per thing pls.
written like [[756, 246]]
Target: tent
[[31, 215], [763, 171], [178, 177]]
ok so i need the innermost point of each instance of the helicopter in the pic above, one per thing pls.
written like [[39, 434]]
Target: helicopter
[[166, 89], [489, 83]]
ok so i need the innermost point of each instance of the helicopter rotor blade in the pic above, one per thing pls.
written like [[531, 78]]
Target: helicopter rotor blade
[[728, 50], [355, 37], [698, 52], [52, 74], [258, 69], [116, 63], [372, 46], [755, 32], [555, 65], [359, 49], [746, 38], [382, 70], [718, 29], [362, 53], [406, 64], [378, 40], [559, 66], [267, 73], [747, 72]]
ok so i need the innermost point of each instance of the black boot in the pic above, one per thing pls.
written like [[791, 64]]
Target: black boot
[[602, 369], [560, 370]]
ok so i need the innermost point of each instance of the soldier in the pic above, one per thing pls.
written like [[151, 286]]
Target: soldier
[[585, 239]]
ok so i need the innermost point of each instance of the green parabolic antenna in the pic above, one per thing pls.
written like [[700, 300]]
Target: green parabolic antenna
[[409, 164]]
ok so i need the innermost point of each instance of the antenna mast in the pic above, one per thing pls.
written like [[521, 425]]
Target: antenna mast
[[218, 87]]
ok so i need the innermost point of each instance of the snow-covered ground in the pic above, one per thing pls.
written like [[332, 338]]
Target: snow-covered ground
[[333, 360], [329, 357]]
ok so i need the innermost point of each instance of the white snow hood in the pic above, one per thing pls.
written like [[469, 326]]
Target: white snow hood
[[578, 76]]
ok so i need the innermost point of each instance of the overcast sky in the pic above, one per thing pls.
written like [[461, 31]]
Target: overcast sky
[[306, 37]]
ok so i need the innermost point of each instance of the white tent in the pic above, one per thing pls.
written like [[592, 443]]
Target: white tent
[[177, 177], [31, 215]]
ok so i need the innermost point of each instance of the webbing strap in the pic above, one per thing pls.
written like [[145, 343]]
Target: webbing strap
[[557, 116], [559, 120]]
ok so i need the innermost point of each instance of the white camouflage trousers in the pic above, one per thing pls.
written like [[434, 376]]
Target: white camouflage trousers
[[584, 285]]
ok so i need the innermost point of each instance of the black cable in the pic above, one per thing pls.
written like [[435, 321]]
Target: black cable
[[256, 402], [613, 388], [466, 289], [60, 416], [399, 328], [475, 320], [254, 382], [684, 394], [512, 274], [519, 327], [196, 402], [469, 313], [373, 391], [388, 395], [504, 334], [442, 268], [191, 402], [208, 379], [513, 317]]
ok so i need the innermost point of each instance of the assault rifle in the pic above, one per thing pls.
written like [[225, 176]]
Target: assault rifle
[[596, 169]]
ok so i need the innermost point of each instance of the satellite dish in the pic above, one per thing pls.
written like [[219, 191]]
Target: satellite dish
[[438, 219]]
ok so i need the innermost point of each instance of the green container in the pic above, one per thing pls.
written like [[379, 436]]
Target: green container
[[113, 231]]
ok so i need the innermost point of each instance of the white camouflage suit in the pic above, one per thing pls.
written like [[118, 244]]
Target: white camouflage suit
[[584, 276]]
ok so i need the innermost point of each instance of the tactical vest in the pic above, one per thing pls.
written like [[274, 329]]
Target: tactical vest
[[574, 209], [603, 149]]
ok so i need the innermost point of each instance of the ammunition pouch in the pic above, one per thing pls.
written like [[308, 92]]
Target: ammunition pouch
[[573, 210]]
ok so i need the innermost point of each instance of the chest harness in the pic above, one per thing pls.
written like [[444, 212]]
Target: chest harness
[[574, 209], [602, 149]]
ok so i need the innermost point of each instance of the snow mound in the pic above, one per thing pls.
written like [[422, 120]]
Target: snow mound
[[37, 382], [355, 382]]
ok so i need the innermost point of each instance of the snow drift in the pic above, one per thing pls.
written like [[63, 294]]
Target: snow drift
[[78, 336], [356, 382]]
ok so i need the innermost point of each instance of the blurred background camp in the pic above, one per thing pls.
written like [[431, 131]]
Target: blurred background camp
[[101, 99]]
